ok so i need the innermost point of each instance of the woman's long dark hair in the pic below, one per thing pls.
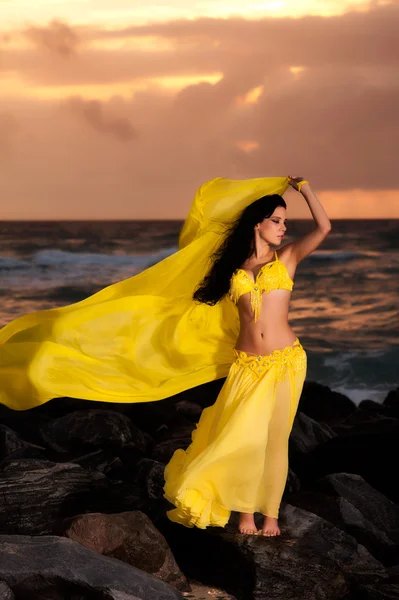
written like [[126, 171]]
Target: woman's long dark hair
[[236, 248]]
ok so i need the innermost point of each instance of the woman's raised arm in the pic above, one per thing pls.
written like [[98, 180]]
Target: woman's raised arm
[[309, 242]]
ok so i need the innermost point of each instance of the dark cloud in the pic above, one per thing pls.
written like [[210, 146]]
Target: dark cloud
[[93, 113]]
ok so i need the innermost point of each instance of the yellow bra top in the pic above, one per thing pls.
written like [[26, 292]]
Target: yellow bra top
[[272, 276]]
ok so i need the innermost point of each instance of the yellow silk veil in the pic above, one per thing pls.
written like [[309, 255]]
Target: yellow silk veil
[[141, 339]]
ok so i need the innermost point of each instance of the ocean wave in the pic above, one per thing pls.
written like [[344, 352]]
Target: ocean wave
[[53, 258], [342, 255]]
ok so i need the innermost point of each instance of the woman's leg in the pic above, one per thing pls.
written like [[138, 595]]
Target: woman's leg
[[276, 457]]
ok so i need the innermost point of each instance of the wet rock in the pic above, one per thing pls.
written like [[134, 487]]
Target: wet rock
[[311, 559], [36, 495], [54, 567], [90, 429], [324, 405], [132, 538]]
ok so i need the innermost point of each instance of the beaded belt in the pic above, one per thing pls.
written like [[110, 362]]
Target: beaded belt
[[294, 356]]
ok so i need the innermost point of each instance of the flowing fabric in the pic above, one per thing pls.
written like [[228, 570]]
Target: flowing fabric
[[238, 458], [141, 339]]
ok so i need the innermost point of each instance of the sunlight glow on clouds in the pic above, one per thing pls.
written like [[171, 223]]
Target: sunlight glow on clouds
[[252, 96], [17, 12], [247, 145]]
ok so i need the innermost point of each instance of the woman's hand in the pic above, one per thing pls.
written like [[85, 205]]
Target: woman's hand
[[294, 181]]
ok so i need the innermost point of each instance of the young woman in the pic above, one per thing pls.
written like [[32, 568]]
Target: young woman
[[182, 323], [238, 459]]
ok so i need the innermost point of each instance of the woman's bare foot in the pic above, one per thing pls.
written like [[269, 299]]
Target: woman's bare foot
[[270, 527], [247, 523]]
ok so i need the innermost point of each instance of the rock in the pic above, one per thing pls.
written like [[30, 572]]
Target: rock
[[293, 483], [375, 507], [367, 452], [311, 559], [307, 433], [150, 474], [155, 418], [364, 421], [100, 460], [392, 401], [9, 442], [344, 515], [191, 410], [37, 495], [132, 538], [163, 452], [386, 591], [53, 567], [12, 446], [89, 429], [204, 395], [322, 404], [6, 592]]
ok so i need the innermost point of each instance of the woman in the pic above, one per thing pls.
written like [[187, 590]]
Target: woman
[[146, 338], [238, 459]]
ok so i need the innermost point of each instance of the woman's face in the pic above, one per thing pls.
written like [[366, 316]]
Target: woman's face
[[273, 228]]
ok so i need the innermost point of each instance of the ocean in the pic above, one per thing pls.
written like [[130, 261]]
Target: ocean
[[344, 306]]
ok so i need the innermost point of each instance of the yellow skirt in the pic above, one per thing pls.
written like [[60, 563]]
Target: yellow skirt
[[238, 458]]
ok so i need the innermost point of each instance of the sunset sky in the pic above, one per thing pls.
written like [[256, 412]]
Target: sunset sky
[[120, 109]]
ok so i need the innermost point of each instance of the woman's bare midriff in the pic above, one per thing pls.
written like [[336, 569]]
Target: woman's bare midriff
[[272, 330]]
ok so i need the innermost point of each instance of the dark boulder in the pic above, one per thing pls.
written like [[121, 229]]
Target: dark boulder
[[191, 410], [311, 559], [163, 451], [366, 452], [89, 429], [322, 404], [52, 567], [36, 495], [150, 476], [307, 433], [132, 538]]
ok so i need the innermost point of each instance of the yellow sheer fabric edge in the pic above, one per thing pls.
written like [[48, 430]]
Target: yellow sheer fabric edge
[[138, 340]]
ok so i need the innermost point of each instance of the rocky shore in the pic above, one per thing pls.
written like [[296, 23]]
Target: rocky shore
[[82, 513]]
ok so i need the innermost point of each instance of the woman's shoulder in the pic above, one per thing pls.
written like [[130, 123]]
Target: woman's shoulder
[[286, 257]]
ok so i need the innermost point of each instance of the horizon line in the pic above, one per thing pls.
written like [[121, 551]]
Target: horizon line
[[178, 219]]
